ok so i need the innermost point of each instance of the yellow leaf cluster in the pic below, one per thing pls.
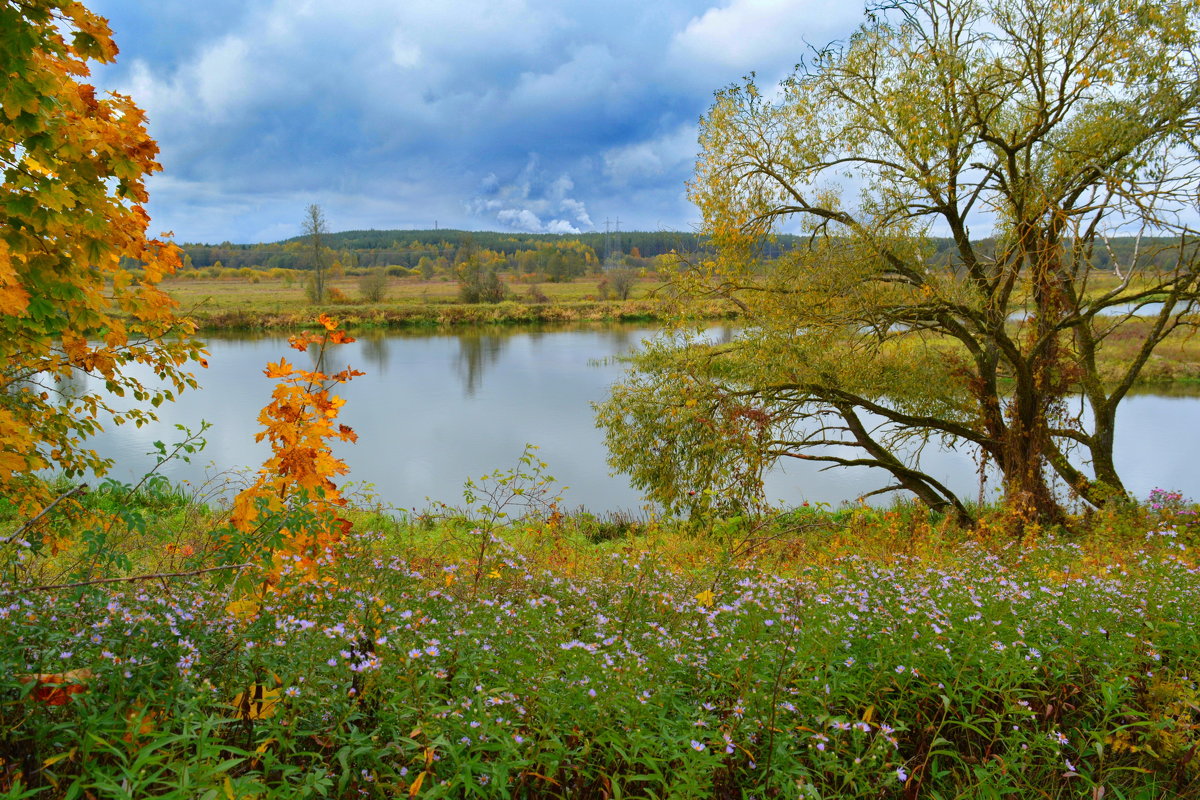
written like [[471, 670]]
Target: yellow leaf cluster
[[79, 275]]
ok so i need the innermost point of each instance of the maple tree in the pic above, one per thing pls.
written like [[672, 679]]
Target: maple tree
[[292, 505], [79, 294]]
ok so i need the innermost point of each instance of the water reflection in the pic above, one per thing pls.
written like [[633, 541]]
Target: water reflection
[[622, 340], [433, 410], [70, 387], [477, 352], [375, 351]]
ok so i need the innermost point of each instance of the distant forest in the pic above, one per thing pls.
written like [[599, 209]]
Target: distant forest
[[559, 256], [436, 252]]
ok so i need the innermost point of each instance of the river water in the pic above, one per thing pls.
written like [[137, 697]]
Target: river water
[[435, 409]]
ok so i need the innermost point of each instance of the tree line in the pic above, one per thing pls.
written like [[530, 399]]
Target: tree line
[[565, 256]]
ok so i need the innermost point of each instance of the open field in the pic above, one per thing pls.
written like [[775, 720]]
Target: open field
[[280, 303], [863, 654]]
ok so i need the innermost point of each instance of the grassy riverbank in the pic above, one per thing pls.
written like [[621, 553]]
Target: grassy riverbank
[[265, 303], [862, 653]]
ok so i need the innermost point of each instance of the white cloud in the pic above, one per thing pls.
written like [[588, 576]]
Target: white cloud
[[533, 201], [769, 36], [590, 74], [223, 80], [520, 218], [652, 158], [578, 210], [561, 226], [405, 52]]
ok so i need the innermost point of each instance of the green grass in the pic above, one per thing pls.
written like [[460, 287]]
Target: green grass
[[864, 653], [264, 302]]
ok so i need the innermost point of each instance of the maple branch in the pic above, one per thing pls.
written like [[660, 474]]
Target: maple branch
[[130, 579], [13, 536]]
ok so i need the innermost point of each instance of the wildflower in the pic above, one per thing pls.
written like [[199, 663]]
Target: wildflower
[[1059, 737], [699, 747], [901, 775], [292, 691]]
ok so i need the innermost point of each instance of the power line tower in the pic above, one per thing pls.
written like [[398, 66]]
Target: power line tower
[[612, 235]]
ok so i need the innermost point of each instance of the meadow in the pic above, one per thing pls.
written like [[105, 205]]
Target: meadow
[[276, 300], [860, 653]]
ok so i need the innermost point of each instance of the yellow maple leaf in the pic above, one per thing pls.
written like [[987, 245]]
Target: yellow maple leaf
[[244, 608], [258, 702]]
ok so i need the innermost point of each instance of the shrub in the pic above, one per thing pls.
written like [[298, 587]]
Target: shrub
[[621, 282], [373, 286]]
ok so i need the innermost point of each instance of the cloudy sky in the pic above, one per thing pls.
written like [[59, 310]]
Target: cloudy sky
[[524, 115]]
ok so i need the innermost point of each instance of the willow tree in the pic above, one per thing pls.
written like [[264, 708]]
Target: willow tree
[[1029, 133]]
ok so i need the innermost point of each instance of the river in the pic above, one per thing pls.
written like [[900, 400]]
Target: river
[[435, 409]]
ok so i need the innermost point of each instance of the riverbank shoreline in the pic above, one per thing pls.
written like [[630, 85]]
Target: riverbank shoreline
[[1175, 364], [444, 315]]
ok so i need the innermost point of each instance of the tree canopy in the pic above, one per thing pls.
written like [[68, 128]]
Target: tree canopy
[[79, 301], [1046, 128]]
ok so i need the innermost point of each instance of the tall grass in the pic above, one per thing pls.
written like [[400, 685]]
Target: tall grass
[[865, 654]]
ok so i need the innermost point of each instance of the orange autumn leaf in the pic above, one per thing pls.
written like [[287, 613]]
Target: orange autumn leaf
[[56, 688], [139, 722], [299, 425], [281, 369]]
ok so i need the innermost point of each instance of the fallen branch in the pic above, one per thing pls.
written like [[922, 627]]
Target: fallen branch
[[130, 579]]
